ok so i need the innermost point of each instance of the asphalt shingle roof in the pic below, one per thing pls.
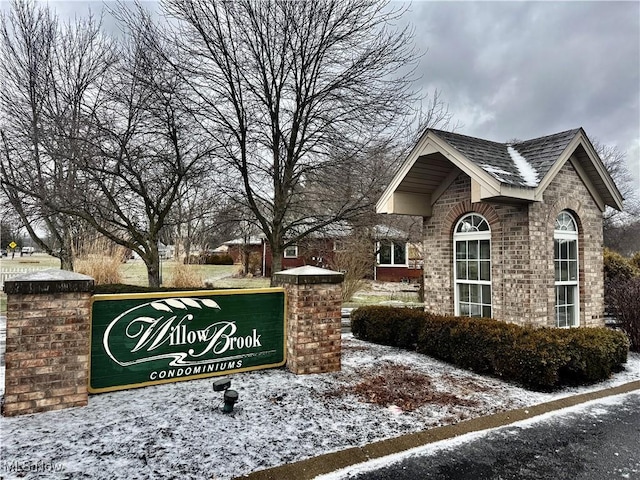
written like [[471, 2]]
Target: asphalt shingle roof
[[493, 157]]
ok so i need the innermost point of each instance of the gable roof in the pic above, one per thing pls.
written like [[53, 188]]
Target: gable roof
[[518, 171]]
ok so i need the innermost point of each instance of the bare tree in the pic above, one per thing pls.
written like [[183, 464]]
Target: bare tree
[[615, 162], [52, 75], [148, 150], [295, 94]]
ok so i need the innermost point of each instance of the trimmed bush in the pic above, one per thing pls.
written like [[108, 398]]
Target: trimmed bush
[[538, 358], [209, 259], [396, 327]]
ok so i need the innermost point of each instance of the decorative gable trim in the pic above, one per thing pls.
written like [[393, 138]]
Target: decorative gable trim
[[400, 199]]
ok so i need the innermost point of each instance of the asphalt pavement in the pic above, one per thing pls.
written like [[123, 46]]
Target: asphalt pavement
[[600, 441]]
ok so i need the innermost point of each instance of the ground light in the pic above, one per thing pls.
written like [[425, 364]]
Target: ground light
[[230, 396]]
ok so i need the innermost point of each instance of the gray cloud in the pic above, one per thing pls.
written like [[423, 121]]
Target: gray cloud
[[526, 69]]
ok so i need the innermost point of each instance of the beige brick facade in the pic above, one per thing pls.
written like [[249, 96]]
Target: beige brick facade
[[522, 270], [47, 352]]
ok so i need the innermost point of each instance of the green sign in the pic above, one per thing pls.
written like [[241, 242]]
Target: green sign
[[146, 339]]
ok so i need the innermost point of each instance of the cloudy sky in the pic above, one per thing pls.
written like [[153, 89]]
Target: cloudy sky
[[527, 69]]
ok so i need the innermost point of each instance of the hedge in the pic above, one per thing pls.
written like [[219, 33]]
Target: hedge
[[538, 358], [209, 259]]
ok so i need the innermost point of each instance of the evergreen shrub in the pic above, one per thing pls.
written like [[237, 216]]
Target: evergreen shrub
[[209, 259], [538, 358], [396, 327]]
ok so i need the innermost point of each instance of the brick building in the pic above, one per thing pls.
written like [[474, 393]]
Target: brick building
[[394, 257], [511, 231]]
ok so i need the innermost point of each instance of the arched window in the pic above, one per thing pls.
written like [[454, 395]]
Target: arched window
[[565, 259], [472, 270]]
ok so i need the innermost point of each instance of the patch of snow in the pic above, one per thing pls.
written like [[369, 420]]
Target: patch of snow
[[527, 172], [177, 430], [495, 170]]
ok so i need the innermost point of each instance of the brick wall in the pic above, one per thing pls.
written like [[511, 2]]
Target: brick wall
[[521, 251], [568, 192], [47, 350], [314, 302]]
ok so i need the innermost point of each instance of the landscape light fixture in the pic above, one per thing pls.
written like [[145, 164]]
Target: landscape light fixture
[[230, 396]]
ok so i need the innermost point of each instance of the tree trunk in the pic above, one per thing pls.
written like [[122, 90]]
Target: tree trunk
[[245, 257], [276, 262], [152, 261], [66, 260]]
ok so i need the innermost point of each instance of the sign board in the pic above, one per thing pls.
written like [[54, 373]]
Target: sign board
[[13, 245], [147, 339]]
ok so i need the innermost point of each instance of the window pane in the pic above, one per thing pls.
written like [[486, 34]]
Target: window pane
[[570, 295], [385, 253], [556, 249], [557, 268], [464, 309], [486, 312], [473, 250], [399, 256], [473, 270], [486, 294], [561, 316], [564, 271], [485, 250], [475, 310], [570, 316], [461, 249], [573, 250], [485, 271], [561, 295], [461, 270], [564, 253], [464, 292], [573, 270], [474, 293]]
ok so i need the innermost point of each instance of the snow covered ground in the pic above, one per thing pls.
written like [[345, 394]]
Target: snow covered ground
[[177, 431]]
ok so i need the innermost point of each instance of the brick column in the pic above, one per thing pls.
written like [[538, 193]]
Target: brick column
[[48, 333], [314, 302]]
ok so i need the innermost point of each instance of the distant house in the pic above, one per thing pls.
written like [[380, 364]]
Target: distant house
[[511, 231], [396, 259]]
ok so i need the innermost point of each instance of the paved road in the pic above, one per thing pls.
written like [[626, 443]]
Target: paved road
[[597, 441]]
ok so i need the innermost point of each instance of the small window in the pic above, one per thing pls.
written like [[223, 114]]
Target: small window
[[392, 253], [291, 251]]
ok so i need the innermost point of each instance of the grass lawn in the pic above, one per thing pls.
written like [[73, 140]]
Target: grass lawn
[[217, 276]]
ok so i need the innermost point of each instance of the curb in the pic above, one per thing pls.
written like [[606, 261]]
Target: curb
[[311, 468]]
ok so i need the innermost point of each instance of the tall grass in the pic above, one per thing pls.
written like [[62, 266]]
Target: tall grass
[[185, 276], [101, 260]]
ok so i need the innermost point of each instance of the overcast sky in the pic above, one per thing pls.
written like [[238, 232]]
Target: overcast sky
[[527, 69]]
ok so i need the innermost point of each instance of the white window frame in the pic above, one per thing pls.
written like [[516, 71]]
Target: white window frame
[[467, 231], [393, 256], [566, 233], [287, 253]]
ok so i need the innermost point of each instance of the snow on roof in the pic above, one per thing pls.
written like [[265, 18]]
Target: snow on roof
[[527, 172]]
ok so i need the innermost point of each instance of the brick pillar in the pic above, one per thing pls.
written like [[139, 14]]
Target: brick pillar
[[314, 303], [48, 332]]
